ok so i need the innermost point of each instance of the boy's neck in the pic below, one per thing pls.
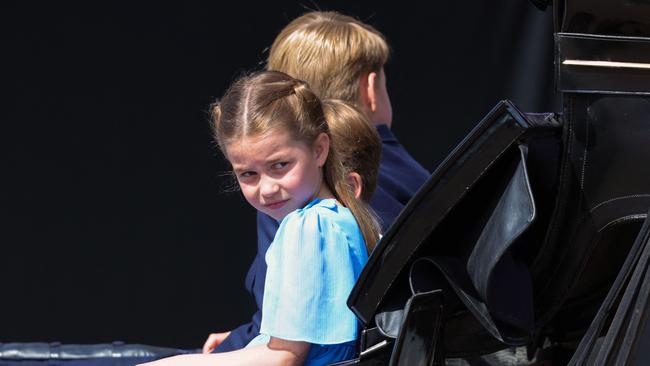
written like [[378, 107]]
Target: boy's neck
[[379, 123]]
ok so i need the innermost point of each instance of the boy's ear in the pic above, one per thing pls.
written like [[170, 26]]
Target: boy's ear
[[368, 92], [354, 180], [322, 148]]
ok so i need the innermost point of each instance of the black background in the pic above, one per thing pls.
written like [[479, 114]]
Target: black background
[[115, 221]]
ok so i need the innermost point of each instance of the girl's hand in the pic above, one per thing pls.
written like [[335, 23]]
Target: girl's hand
[[213, 341]]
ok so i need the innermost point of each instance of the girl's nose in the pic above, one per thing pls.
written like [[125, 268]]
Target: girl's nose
[[268, 187]]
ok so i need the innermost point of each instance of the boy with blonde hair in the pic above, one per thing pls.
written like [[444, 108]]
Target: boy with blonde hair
[[340, 58], [331, 52], [343, 58]]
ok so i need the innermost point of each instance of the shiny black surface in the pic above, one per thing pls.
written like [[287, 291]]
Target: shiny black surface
[[593, 190], [604, 196], [419, 338], [624, 64], [606, 17], [624, 336], [617, 330], [447, 185]]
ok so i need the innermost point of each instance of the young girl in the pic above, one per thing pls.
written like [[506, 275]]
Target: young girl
[[272, 129]]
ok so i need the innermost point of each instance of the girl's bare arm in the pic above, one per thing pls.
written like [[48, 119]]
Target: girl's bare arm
[[277, 352]]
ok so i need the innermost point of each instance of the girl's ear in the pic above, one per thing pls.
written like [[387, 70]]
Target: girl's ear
[[322, 148], [354, 180]]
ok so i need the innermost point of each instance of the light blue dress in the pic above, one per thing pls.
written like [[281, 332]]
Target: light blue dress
[[315, 259]]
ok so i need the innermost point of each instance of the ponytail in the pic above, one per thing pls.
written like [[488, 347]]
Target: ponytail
[[365, 216], [355, 147]]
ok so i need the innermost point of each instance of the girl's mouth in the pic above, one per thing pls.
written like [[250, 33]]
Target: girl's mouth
[[276, 205]]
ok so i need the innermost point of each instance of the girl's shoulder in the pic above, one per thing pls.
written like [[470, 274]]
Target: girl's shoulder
[[327, 205], [322, 230], [319, 215]]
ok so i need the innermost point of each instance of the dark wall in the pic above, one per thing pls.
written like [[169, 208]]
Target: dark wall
[[114, 220]]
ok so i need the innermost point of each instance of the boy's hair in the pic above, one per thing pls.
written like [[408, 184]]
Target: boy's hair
[[356, 141], [330, 51], [269, 101]]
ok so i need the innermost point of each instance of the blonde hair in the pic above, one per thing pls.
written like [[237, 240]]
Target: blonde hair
[[273, 101], [356, 141], [330, 51]]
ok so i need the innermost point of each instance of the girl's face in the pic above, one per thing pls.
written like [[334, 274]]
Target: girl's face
[[278, 174]]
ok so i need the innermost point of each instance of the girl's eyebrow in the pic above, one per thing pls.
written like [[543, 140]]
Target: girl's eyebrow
[[270, 159], [275, 156], [238, 170]]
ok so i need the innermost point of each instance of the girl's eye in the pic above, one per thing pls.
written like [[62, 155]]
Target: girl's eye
[[280, 165], [246, 174]]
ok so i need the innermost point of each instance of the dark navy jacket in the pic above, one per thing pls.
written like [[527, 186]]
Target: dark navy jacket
[[400, 176]]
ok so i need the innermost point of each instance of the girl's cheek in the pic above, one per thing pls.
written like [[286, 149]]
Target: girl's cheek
[[292, 180], [248, 194]]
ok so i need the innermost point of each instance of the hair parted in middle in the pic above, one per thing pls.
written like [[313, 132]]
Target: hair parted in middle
[[269, 101], [330, 51]]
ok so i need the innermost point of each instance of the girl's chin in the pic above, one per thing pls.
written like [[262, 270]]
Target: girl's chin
[[282, 209], [278, 216]]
